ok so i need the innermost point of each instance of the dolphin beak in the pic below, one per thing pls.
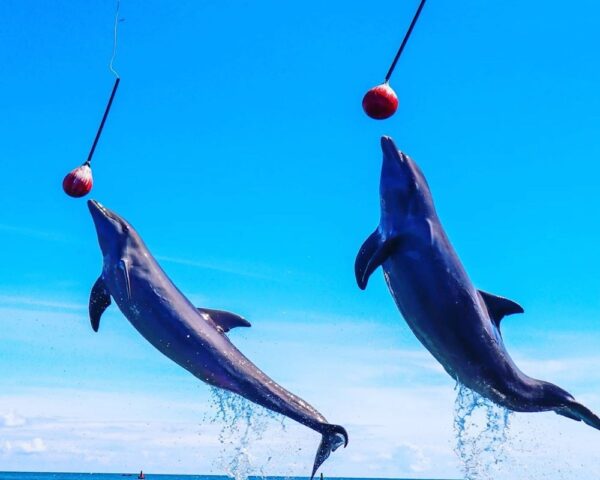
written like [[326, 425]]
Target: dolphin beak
[[102, 216], [96, 209], [390, 151]]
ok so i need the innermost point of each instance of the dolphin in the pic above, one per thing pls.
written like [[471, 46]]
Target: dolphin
[[194, 338], [456, 322]]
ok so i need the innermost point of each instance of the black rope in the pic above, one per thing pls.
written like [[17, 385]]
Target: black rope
[[110, 100], [406, 37]]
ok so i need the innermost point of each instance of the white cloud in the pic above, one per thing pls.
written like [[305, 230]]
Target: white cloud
[[407, 456], [36, 445], [12, 419]]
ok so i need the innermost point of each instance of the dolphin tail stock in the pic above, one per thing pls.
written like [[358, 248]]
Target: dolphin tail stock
[[576, 411], [563, 403], [334, 436]]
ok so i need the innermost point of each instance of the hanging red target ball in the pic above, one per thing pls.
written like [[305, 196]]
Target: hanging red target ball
[[79, 181], [380, 102]]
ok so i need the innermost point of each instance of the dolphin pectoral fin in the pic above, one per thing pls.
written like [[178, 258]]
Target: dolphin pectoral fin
[[99, 301], [371, 255], [499, 307], [334, 437], [224, 321]]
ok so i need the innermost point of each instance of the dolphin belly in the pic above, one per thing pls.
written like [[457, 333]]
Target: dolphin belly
[[202, 352], [441, 307], [179, 332]]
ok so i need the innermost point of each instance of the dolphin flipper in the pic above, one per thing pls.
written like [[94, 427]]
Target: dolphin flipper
[[371, 255], [334, 436], [99, 301], [499, 307], [223, 320]]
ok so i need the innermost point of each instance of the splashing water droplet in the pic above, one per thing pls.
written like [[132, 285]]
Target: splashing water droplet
[[481, 429], [243, 425]]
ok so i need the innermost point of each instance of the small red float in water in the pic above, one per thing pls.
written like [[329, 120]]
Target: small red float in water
[[78, 182], [380, 102]]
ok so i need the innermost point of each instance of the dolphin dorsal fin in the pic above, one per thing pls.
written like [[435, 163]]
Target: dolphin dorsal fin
[[499, 307], [223, 320], [99, 301]]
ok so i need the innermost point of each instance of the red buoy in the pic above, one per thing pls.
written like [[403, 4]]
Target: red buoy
[[78, 182], [380, 102]]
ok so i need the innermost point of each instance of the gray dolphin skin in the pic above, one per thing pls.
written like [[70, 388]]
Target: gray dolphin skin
[[457, 323], [192, 337]]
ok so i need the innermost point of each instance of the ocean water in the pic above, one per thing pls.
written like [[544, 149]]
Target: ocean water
[[125, 476]]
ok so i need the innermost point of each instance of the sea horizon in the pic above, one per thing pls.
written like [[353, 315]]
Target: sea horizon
[[26, 475]]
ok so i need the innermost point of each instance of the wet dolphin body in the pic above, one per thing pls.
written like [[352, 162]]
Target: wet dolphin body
[[192, 337], [457, 323]]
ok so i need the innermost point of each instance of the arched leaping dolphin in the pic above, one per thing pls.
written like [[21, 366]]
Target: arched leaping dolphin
[[192, 337], [457, 323]]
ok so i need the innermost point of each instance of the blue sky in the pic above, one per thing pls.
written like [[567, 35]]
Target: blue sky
[[237, 147]]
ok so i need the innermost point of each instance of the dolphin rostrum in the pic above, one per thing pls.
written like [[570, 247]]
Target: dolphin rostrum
[[192, 337], [457, 323]]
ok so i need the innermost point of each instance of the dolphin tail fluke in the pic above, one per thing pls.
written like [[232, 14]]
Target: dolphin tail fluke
[[581, 413], [334, 436]]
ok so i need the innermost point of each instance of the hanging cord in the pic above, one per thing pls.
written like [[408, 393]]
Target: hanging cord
[[115, 37], [99, 132], [403, 44], [114, 90]]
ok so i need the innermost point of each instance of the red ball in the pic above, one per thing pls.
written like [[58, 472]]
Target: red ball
[[380, 102], [79, 181]]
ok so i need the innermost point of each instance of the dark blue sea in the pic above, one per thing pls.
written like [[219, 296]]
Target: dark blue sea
[[149, 476]]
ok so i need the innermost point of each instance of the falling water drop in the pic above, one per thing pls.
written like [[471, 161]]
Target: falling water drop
[[481, 429], [243, 424]]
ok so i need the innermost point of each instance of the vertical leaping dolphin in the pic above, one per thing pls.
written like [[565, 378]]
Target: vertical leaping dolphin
[[457, 323], [192, 337]]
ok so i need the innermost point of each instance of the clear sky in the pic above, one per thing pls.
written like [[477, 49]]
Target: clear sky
[[237, 147]]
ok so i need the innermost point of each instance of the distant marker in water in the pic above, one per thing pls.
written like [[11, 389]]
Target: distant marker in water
[[381, 102]]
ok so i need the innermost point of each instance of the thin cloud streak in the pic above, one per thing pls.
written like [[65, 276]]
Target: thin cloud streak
[[33, 233], [29, 301], [211, 266]]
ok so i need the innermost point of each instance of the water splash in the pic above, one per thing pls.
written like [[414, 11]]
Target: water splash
[[243, 424], [481, 429]]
